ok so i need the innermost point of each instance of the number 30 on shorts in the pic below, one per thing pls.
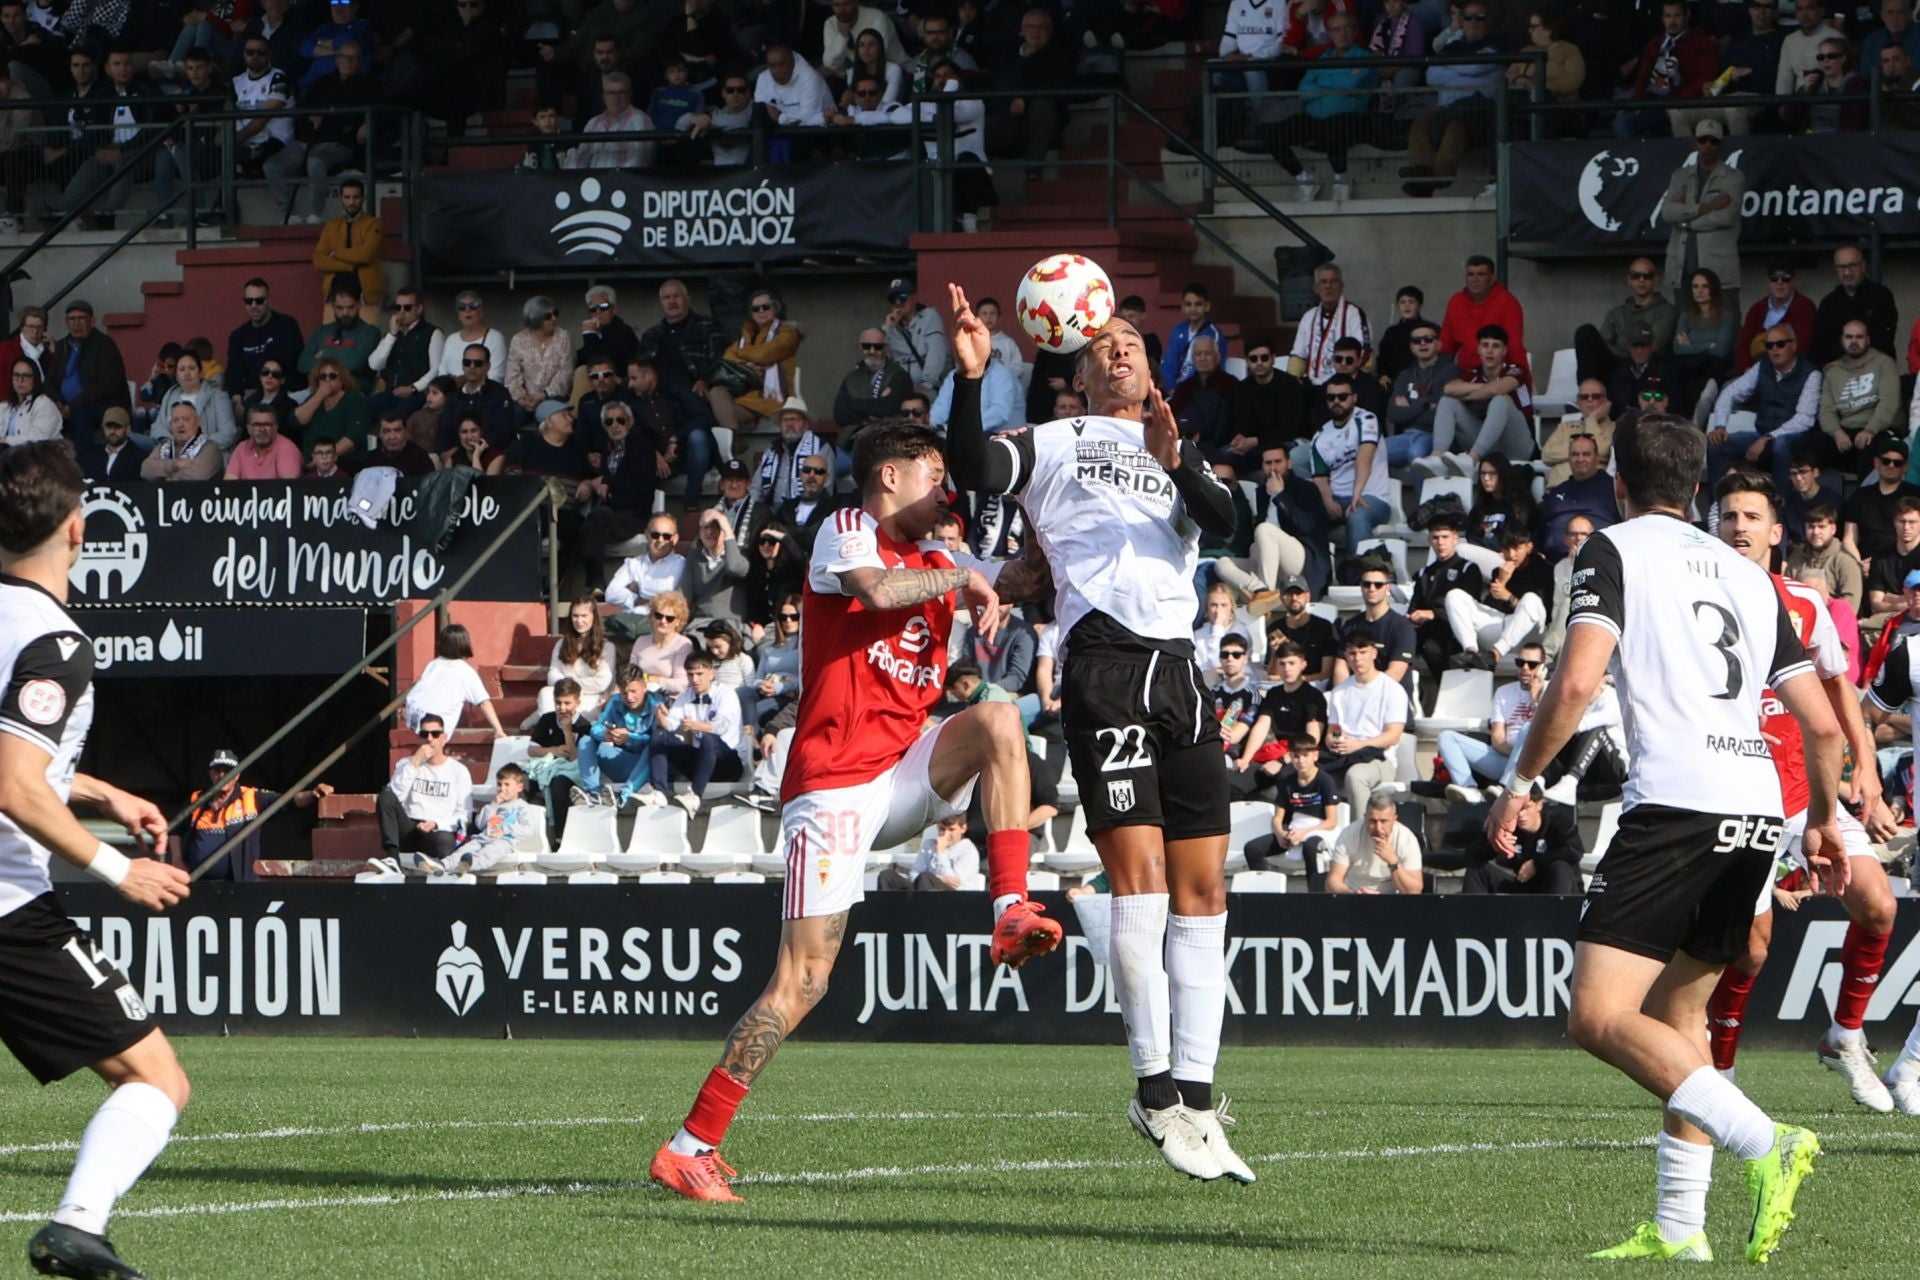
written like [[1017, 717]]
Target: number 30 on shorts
[[1126, 748]]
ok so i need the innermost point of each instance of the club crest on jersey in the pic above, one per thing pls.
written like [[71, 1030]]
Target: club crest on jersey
[[1120, 794], [916, 635]]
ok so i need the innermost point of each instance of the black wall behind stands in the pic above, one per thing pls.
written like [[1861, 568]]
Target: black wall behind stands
[[684, 961]]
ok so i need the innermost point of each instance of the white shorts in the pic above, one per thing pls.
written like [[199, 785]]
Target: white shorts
[[1793, 854], [827, 834]]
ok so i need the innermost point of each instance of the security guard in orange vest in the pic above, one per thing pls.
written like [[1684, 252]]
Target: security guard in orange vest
[[224, 811]]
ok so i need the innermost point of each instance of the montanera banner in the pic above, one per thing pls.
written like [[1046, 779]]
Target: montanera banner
[[279, 542], [1607, 194], [684, 961], [700, 217]]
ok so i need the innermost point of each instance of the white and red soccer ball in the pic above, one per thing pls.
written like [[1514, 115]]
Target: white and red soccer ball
[[1063, 301]]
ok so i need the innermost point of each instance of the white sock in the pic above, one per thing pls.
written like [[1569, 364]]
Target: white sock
[[685, 1144], [1846, 1037], [1907, 1065], [1001, 903], [1197, 982], [1136, 948], [1685, 1173], [126, 1134], [1713, 1103]]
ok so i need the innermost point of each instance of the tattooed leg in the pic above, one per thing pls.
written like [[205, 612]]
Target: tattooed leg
[[808, 949]]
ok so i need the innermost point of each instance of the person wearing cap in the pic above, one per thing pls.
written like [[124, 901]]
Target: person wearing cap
[[117, 454], [86, 373], [226, 807], [1891, 572], [744, 510], [1702, 213], [1601, 348], [873, 388], [1783, 391], [1866, 519], [1298, 624], [776, 477], [916, 338], [1859, 396], [553, 450], [1645, 366]]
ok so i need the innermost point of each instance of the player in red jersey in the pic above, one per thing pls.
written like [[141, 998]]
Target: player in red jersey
[[1750, 524], [861, 773]]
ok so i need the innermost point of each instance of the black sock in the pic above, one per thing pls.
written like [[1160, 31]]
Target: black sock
[[1197, 1094], [1158, 1092]]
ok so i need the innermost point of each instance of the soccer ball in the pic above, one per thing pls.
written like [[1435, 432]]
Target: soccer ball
[[1063, 301]]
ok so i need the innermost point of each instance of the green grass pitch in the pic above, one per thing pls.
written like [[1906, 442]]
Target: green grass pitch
[[389, 1158]]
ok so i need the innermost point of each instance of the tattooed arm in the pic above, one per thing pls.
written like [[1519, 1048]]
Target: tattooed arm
[[904, 588]]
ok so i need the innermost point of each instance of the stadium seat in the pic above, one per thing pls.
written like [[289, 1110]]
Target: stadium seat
[[870, 880], [1077, 857], [508, 750], [1741, 420], [593, 876], [665, 877], [519, 878], [590, 837], [1439, 486], [905, 855], [1042, 881], [1249, 819], [975, 883], [658, 840], [1235, 367], [446, 878], [879, 859], [1396, 549], [1464, 704], [1258, 882], [1325, 609], [770, 866], [1609, 824], [1396, 525], [380, 877], [1068, 786], [739, 877], [733, 837], [1562, 391]]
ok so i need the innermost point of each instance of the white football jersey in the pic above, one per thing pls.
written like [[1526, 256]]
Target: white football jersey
[[46, 697], [1701, 635], [253, 93], [1110, 522], [1896, 686]]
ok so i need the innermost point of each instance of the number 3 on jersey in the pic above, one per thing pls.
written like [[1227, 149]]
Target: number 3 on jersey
[[1714, 617], [1126, 748]]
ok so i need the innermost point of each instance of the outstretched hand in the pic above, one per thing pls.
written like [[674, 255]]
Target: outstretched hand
[[1162, 431], [972, 344]]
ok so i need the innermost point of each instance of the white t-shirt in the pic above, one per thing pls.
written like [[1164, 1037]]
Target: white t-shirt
[[253, 93], [642, 578], [1336, 454], [1512, 707], [1365, 710], [1367, 869], [438, 793], [446, 689]]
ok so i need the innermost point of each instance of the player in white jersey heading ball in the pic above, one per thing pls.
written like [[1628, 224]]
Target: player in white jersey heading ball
[[1697, 632], [63, 1005], [1117, 504]]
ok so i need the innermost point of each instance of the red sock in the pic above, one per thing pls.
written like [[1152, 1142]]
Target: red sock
[[1725, 1009], [1008, 855], [713, 1110], [1861, 958]]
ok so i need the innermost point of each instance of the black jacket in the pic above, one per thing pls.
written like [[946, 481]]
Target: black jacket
[[103, 374], [805, 531]]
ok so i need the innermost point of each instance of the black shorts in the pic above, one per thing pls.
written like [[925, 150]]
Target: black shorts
[[63, 1005], [1679, 880], [1144, 744]]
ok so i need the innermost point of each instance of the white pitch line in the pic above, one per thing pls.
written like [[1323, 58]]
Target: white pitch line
[[512, 1191]]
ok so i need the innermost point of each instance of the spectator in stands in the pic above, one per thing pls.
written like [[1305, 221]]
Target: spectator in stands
[[733, 115], [715, 565], [1291, 531], [1266, 409], [117, 455], [1221, 617], [1808, 488], [147, 397], [731, 667], [323, 144], [1376, 854], [1897, 30], [793, 93], [261, 87], [1546, 857], [1445, 572], [346, 339], [849, 21], [65, 155], [408, 354], [1822, 551], [620, 762], [423, 424], [1305, 816], [1853, 297], [620, 116], [554, 450], [395, 449], [684, 347], [1418, 390], [1395, 351], [768, 348], [631, 464], [1350, 358], [659, 569], [947, 860], [1783, 305], [574, 63], [1000, 407], [88, 372], [776, 668], [465, 67], [872, 389], [1703, 337], [1233, 690], [1800, 51], [1867, 517], [1501, 496], [806, 511], [1565, 69], [1196, 305], [212, 408], [1784, 394], [104, 179], [449, 684], [323, 462], [349, 252], [265, 336], [1315, 636], [421, 811], [1593, 419], [1336, 102], [936, 44], [1642, 372], [1464, 116], [1601, 349], [584, 657], [1311, 358], [477, 392], [1586, 492], [1392, 633], [1399, 32], [36, 55], [223, 811], [179, 160], [540, 357], [1350, 463], [1901, 114], [777, 477], [473, 329], [1579, 529], [1029, 127], [661, 655], [1483, 300], [1289, 711], [916, 338], [1859, 396], [1675, 66], [1202, 404], [28, 414], [1491, 403], [869, 61], [336, 410], [29, 342], [605, 389], [1702, 206], [266, 455], [1835, 78], [745, 511], [1513, 611], [471, 452], [344, 31], [1471, 761], [700, 737], [186, 453], [1306, 35], [1887, 572]]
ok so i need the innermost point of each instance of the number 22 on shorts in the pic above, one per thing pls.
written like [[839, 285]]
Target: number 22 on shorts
[[1126, 748]]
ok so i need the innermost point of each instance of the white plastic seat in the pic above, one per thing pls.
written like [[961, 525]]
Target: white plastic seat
[[446, 878], [1249, 819], [870, 880], [1609, 826], [590, 837], [511, 749], [533, 840], [1038, 881], [1077, 856], [1464, 704], [733, 837], [1395, 525], [1396, 549], [1235, 366], [1068, 787], [379, 877], [740, 877], [658, 839], [1326, 609], [1562, 390], [1258, 882], [519, 878], [880, 859], [1439, 486], [665, 877], [770, 866], [974, 883], [593, 877]]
